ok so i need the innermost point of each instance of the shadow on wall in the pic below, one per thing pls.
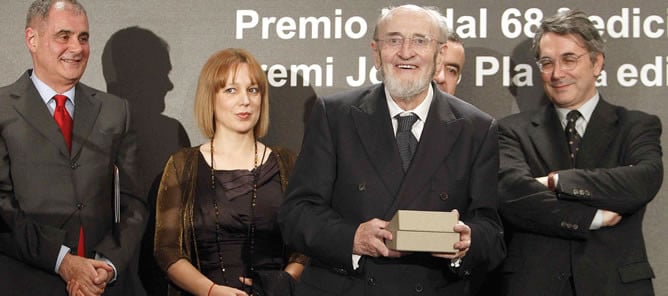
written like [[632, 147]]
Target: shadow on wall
[[527, 97], [136, 66], [501, 104], [487, 98], [286, 104]]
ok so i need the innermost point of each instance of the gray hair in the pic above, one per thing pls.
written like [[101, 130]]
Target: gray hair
[[573, 22], [39, 10]]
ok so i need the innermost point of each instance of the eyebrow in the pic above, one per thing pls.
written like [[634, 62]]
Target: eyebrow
[[392, 34], [69, 33], [453, 65], [561, 55]]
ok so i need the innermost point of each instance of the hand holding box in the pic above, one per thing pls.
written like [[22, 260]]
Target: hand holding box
[[423, 231]]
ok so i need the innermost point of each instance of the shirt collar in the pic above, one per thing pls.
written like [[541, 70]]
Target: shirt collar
[[421, 110], [47, 92], [586, 109]]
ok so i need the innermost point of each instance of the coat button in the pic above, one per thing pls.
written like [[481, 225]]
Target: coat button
[[74, 165], [340, 271], [371, 281], [80, 206], [419, 288], [361, 186], [443, 196]]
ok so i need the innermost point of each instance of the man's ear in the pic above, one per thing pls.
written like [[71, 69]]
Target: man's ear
[[598, 64], [376, 54], [31, 38]]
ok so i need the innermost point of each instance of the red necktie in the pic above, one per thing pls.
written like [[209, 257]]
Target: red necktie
[[64, 121]]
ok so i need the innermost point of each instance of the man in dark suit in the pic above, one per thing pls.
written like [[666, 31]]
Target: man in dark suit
[[576, 176], [57, 161], [353, 174]]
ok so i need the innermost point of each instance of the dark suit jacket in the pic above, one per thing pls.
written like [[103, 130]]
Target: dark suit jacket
[[349, 171], [618, 168], [46, 193]]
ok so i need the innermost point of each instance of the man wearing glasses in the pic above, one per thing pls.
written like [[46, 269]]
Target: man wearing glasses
[[397, 145], [576, 176]]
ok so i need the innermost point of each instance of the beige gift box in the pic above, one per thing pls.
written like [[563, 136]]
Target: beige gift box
[[423, 231]]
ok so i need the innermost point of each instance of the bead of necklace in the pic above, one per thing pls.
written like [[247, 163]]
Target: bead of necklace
[[251, 225]]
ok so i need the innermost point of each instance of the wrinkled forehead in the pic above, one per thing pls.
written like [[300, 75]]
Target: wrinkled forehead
[[408, 22], [554, 44], [455, 54]]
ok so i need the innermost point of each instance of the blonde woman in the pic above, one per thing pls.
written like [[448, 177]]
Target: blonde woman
[[216, 229]]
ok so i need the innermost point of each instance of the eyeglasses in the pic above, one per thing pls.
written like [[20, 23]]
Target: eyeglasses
[[567, 62], [420, 42]]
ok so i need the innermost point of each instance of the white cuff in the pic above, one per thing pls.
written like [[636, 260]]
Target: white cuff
[[61, 255], [356, 261], [597, 222]]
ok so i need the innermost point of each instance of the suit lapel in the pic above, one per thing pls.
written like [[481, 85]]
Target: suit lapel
[[440, 133], [379, 143], [32, 109], [600, 131], [86, 110], [549, 139]]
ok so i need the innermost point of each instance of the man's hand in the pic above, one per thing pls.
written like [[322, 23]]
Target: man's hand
[[103, 276], [101, 280], [84, 276], [610, 218], [370, 239], [462, 245], [73, 288]]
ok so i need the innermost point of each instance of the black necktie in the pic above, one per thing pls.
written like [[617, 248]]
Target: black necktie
[[406, 141], [572, 134]]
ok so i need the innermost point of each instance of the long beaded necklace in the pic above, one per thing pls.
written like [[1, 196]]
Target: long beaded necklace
[[251, 225]]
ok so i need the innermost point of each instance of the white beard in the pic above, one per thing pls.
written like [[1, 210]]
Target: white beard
[[406, 90]]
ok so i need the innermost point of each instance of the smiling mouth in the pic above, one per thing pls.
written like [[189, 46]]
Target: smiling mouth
[[560, 84], [404, 66], [71, 60]]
